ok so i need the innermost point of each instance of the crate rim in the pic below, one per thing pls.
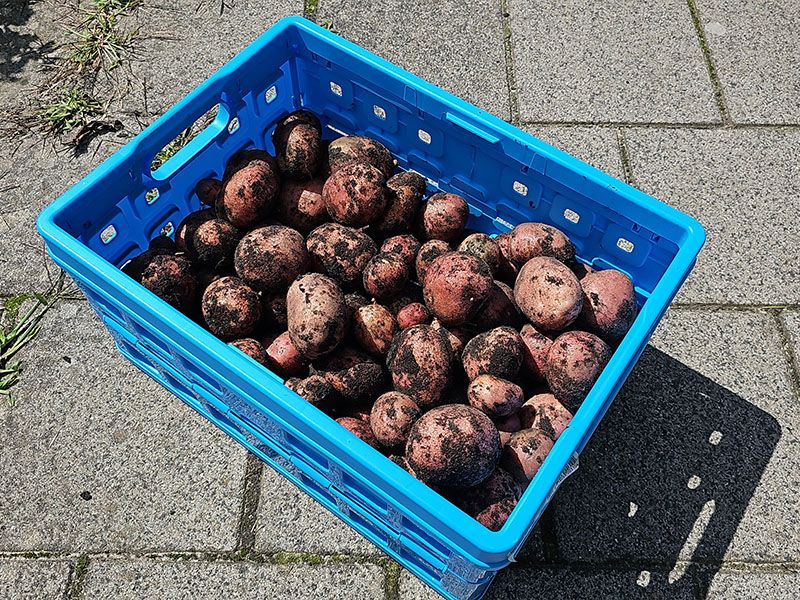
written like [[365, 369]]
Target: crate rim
[[521, 521]]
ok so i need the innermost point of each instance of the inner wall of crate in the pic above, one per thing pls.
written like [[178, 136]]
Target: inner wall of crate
[[501, 190]]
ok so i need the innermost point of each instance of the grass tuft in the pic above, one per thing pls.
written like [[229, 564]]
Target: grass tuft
[[99, 43], [71, 109]]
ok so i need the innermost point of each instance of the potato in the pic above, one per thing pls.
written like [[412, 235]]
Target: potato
[[355, 194], [484, 247], [136, 266], [413, 314], [385, 275], [213, 244], [273, 311], [494, 397], [374, 328], [284, 358], [253, 349], [248, 158], [499, 309], [545, 412], [420, 363], [360, 412], [455, 287], [162, 244], [548, 293], [498, 486], [507, 270], [609, 304], [529, 240], [248, 193], [316, 315], [270, 258], [524, 454], [340, 252], [574, 363], [536, 345], [316, 390], [208, 190], [497, 352], [356, 148], [581, 270], [172, 279], [360, 429], [405, 192], [428, 252], [300, 205], [495, 515], [184, 234], [453, 445], [356, 376], [507, 426], [231, 309], [298, 146], [391, 419], [406, 245], [443, 216], [302, 116]]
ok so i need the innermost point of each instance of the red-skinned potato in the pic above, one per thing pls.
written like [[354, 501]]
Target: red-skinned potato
[[420, 363], [162, 244], [298, 146], [405, 192], [316, 390], [574, 363], [406, 245], [495, 397], [340, 252], [391, 419], [214, 242], [360, 412], [484, 247], [248, 193], [316, 315], [300, 205], [355, 194], [529, 240], [184, 234], [428, 252], [356, 376], [385, 275], [498, 486], [534, 355], [545, 412], [495, 515], [453, 445], [249, 158], [374, 328], [507, 270], [270, 258], [524, 454], [136, 266], [412, 314], [253, 349], [548, 293], [231, 309], [507, 426], [443, 216], [499, 309], [360, 429], [456, 286], [609, 304], [356, 148], [497, 352], [284, 359], [208, 190], [172, 279]]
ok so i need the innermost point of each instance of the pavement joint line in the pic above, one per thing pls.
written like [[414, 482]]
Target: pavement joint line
[[663, 125], [78, 578], [511, 79], [786, 342], [391, 582], [719, 96], [251, 494], [660, 566], [733, 307], [625, 156]]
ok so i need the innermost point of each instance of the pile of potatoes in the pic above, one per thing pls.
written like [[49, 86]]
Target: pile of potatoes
[[462, 357]]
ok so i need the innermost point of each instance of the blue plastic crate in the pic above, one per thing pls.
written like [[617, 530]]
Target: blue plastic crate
[[506, 175]]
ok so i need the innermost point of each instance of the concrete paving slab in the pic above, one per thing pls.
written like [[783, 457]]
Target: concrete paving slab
[[582, 61], [192, 580], [98, 457], [455, 45], [33, 579], [742, 186], [791, 321], [290, 520], [513, 583], [746, 585], [755, 52], [595, 145], [698, 457]]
